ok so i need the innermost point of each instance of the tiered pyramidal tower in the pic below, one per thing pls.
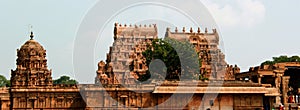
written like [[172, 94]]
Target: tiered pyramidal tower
[[131, 41], [31, 68], [116, 70], [206, 44]]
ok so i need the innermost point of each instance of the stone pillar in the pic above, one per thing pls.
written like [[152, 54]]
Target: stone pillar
[[259, 78], [277, 86], [278, 81], [105, 95], [138, 98], [285, 89]]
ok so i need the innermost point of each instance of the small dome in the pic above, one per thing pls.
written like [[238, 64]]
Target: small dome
[[31, 48], [32, 44]]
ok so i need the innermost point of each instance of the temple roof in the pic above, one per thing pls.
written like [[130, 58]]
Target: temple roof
[[135, 30], [210, 37], [31, 44], [237, 90]]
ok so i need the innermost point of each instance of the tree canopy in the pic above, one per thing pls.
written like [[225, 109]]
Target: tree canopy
[[4, 81], [171, 60], [65, 80], [282, 59]]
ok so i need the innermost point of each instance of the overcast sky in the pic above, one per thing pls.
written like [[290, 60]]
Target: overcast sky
[[252, 30]]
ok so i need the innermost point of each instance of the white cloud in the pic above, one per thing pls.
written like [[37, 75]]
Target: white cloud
[[246, 13]]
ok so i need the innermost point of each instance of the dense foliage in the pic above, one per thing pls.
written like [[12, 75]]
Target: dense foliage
[[282, 59], [4, 81], [171, 60], [65, 80]]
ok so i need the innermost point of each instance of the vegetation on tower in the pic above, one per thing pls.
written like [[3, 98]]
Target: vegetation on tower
[[4, 81], [65, 80], [282, 59], [175, 60]]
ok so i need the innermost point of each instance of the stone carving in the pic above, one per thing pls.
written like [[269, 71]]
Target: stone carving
[[128, 47], [231, 71], [206, 44], [32, 66], [32, 86], [125, 38], [35, 80]]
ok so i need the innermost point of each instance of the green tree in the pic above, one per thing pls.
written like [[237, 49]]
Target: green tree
[[4, 81], [282, 59], [179, 60], [65, 80]]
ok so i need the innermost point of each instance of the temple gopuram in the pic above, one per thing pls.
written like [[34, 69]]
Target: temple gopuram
[[126, 40], [116, 86], [122, 91], [31, 83]]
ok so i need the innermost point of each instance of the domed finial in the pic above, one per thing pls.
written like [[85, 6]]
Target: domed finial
[[31, 35]]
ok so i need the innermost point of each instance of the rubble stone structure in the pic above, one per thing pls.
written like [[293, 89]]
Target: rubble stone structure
[[280, 79]]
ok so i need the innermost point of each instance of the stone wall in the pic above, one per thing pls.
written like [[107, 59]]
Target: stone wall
[[4, 98], [237, 96], [47, 98]]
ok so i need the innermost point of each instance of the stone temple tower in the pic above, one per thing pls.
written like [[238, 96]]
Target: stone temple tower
[[31, 83], [207, 45], [126, 38], [31, 68]]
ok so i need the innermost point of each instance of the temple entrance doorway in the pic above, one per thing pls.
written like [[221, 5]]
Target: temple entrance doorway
[[294, 84]]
